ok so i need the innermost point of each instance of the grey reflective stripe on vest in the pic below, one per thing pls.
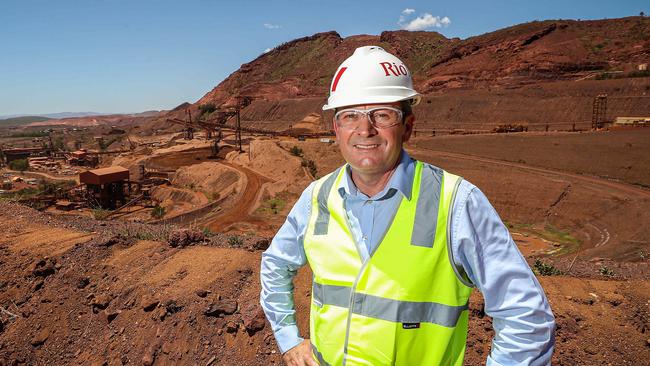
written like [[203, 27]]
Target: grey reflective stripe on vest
[[426, 212], [388, 309], [407, 311], [331, 295], [323, 218], [319, 356]]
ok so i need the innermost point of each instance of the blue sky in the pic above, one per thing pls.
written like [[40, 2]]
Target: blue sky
[[131, 56]]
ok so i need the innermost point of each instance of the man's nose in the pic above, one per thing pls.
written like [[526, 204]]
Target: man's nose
[[365, 127]]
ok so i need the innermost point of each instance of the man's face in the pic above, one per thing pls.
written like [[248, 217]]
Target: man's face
[[370, 150]]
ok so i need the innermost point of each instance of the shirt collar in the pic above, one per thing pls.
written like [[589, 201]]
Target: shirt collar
[[401, 181]]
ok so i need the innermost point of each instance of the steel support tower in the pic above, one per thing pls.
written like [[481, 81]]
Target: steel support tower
[[599, 112]]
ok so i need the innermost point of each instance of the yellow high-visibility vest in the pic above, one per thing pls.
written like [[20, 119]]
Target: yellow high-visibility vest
[[406, 304]]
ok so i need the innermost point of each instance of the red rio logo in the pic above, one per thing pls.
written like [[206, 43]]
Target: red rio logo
[[394, 69]]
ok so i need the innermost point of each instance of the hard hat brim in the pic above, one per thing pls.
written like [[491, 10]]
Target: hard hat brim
[[377, 99]]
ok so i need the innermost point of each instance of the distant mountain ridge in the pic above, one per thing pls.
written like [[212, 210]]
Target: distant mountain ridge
[[57, 115], [21, 121], [523, 54], [62, 115]]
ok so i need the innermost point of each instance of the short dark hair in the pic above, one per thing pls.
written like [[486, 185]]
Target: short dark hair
[[406, 107]]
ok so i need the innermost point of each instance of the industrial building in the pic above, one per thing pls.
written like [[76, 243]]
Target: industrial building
[[107, 187], [22, 153]]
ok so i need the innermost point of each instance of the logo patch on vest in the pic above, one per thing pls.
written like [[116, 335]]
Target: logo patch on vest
[[410, 325]]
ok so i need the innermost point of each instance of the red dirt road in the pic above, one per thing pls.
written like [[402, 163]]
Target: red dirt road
[[241, 210]]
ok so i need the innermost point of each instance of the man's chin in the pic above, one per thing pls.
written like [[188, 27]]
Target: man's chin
[[368, 167]]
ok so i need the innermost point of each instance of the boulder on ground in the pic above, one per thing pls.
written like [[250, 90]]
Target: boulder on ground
[[43, 267], [40, 337], [221, 307], [184, 237], [254, 319], [149, 303]]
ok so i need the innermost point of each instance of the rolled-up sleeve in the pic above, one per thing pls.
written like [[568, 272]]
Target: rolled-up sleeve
[[280, 262], [521, 315]]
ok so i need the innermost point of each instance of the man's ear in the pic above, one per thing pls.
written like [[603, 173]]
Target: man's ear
[[335, 126], [408, 127]]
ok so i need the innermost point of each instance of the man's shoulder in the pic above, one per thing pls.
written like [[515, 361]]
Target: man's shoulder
[[325, 182], [310, 188], [464, 188], [431, 167]]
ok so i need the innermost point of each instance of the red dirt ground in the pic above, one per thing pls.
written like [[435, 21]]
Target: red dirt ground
[[142, 302], [78, 291]]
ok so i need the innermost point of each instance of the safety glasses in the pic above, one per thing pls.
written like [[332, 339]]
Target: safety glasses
[[379, 117]]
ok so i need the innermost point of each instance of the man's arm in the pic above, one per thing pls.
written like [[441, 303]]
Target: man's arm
[[280, 262], [521, 315]]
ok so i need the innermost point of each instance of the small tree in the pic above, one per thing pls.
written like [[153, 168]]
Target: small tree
[[102, 144], [20, 165], [207, 108], [46, 187], [59, 144], [296, 151]]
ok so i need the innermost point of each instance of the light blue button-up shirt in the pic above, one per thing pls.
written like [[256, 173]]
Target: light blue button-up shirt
[[521, 316]]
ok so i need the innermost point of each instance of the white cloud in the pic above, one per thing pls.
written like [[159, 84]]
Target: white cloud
[[272, 26], [424, 21], [406, 12], [268, 50]]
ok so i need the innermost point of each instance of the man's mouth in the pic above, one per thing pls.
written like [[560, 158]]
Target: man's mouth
[[366, 146]]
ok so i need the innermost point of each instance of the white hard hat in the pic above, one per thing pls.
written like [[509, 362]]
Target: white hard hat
[[371, 75]]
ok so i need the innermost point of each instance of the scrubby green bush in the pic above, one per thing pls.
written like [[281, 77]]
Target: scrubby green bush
[[100, 213], [158, 212], [606, 271], [235, 241], [311, 166], [207, 232], [545, 269], [276, 204]]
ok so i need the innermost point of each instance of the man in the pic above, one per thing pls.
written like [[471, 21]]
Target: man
[[396, 245]]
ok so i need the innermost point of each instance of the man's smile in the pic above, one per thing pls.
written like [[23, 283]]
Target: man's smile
[[366, 146]]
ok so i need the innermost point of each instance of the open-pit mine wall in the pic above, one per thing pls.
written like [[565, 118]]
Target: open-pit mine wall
[[557, 104], [279, 115]]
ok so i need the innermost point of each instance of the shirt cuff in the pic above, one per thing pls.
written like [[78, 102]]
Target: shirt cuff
[[287, 337]]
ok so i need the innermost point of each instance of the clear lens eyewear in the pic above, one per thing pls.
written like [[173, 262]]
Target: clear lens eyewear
[[380, 117]]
